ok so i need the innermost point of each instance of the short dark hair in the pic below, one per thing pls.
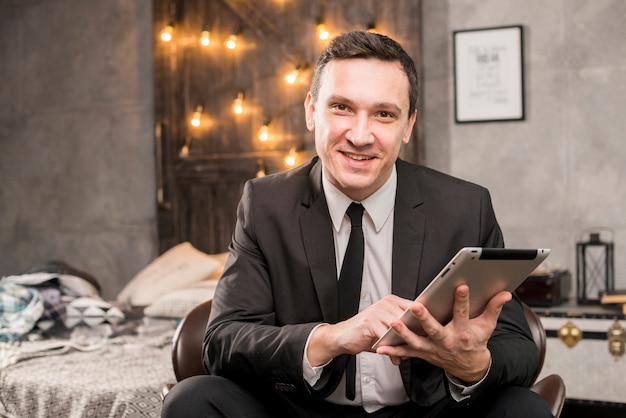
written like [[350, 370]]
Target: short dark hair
[[362, 44]]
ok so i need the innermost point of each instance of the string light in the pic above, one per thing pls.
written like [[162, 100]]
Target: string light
[[322, 32], [231, 42], [262, 168], [205, 36], [238, 103], [196, 118], [290, 158], [292, 76], [167, 33], [184, 151], [264, 131]]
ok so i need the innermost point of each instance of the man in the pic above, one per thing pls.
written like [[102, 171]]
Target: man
[[277, 343]]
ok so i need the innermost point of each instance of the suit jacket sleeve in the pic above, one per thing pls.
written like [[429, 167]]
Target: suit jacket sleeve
[[249, 338]]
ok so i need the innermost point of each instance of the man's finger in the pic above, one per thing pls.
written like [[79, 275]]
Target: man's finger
[[494, 307], [430, 325], [461, 307]]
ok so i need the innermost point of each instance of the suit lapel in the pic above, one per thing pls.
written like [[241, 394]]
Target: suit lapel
[[408, 244], [408, 234], [317, 235], [409, 226]]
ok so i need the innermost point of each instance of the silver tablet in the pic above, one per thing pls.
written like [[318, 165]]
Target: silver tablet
[[486, 271]]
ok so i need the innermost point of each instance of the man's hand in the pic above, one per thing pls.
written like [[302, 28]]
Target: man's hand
[[459, 347], [355, 334]]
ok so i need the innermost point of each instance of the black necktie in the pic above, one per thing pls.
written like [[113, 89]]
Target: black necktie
[[350, 283]]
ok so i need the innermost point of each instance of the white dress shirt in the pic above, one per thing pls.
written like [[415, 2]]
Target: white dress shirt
[[378, 381]]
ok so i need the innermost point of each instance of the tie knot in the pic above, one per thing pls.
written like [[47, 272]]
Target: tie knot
[[355, 212]]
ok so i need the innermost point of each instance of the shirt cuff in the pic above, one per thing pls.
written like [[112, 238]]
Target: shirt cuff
[[459, 390], [311, 374]]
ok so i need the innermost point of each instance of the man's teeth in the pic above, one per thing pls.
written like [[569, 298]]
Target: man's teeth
[[359, 157]]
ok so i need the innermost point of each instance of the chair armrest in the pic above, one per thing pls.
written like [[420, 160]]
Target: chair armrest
[[552, 389]]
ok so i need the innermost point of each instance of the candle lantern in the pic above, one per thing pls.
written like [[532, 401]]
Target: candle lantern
[[594, 269]]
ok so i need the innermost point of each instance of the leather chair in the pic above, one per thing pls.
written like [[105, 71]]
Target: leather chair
[[551, 388], [187, 354], [187, 344]]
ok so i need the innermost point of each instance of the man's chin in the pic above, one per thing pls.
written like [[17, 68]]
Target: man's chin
[[356, 188]]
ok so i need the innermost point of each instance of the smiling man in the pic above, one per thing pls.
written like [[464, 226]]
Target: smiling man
[[279, 341]]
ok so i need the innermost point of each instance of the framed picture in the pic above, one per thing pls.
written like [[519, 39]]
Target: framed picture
[[489, 74]]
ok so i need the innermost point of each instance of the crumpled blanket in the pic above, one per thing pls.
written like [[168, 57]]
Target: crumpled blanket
[[57, 284], [20, 309]]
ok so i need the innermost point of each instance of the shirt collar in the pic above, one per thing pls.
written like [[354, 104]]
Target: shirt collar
[[379, 205]]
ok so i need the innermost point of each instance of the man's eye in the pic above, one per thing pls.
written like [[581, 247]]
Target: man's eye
[[340, 107]]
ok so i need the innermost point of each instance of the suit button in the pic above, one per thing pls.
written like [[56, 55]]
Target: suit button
[[284, 387]]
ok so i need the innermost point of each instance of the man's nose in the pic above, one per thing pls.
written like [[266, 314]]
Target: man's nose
[[360, 133]]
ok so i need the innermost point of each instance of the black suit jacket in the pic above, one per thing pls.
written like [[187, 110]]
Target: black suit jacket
[[280, 280]]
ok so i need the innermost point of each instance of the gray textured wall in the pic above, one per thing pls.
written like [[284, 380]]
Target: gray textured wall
[[76, 136], [563, 169]]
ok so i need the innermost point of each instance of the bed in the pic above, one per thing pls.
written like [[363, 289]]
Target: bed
[[107, 358]]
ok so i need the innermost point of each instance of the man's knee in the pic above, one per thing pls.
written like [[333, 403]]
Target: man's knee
[[213, 396], [185, 397]]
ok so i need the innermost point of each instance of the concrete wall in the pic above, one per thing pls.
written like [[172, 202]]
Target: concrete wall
[[562, 170], [77, 168]]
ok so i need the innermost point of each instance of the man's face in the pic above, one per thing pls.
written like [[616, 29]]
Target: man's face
[[360, 120]]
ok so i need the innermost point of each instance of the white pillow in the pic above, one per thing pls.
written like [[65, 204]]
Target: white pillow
[[177, 268], [177, 304]]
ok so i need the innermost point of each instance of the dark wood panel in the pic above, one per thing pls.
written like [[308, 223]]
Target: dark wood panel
[[208, 191]]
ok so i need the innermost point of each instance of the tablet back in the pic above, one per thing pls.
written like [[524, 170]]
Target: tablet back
[[486, 271]]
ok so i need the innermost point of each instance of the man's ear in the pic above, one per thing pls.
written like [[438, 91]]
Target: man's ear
[[309, 112], [409, 128]]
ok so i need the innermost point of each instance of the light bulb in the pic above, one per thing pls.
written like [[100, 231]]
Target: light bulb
[[290, 159], [322, 32], [196, 118], [238, 104], [231, 42], [261, 172], [167, 33], [184, 151], [205, 37], [292, 76], [264, 132]]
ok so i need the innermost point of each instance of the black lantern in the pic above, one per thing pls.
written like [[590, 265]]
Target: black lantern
[[594, 269]]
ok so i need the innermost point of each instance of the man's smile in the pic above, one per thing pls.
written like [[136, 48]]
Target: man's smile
[[357, 156]]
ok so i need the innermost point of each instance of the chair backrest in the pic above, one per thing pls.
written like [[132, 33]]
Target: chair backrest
[[187, 342], [539, 335]]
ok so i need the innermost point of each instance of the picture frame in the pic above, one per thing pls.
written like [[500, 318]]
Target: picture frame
[[489, 74]]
